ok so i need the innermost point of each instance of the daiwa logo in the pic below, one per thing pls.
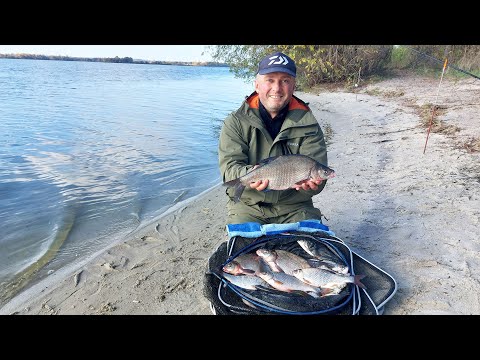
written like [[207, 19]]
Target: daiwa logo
[[281, 60], [292, 144]]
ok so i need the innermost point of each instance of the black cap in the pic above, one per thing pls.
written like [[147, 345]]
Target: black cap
[[277, 62]]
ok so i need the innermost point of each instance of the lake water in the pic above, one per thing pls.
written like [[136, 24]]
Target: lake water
[[91, 151]]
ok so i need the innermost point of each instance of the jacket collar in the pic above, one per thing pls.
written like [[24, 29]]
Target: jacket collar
[[253, 102]]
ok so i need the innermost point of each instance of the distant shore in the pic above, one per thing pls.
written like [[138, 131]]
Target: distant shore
[[116, 59]]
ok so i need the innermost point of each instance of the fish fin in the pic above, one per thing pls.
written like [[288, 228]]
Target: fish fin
[[267, 161], [238, 191], [330, 291], [248, 271], [321, 264], [326, 291], [303, 293], [238, 186], [265, 288], [356, 281], [315, 262]]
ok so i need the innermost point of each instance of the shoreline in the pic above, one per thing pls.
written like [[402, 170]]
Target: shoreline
[[59, 277], [415, 215]]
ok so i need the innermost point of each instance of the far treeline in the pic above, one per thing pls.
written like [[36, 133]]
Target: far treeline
[[350, 64], [116, 59]]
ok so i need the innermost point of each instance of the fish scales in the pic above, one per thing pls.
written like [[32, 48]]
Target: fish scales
[[289, 283], [246, 282], [282, 261], [326, 279], [282, 173]]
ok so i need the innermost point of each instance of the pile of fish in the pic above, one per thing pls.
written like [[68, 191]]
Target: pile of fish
[[286, 271]]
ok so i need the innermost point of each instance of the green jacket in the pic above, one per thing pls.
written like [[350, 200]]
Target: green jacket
[[244, 141]]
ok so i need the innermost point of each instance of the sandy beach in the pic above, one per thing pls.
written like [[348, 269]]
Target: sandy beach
[[414, 214]]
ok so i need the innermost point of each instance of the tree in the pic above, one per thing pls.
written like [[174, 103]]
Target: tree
[[315, 63]]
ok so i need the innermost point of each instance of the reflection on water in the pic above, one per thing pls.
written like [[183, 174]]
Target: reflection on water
[[90, 151]]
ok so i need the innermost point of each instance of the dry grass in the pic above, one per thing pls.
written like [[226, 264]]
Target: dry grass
[[471, 145], [438, 126], [386, 94], [328, 133], [429, 113]]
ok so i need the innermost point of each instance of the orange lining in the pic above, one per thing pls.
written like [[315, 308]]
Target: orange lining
[[295, 104]]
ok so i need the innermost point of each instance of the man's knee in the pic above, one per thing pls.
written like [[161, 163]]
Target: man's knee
[[239, 218], [240, 213], [242, 219], [303, 214]]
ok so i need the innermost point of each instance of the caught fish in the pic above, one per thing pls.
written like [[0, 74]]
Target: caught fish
[[247, 264], [324, 261], [326, 278], [289, 283], [234, 268], [246, 282], [283, 172], [282, 261]]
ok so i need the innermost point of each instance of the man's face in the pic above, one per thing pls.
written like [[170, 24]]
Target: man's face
[[275, 90]]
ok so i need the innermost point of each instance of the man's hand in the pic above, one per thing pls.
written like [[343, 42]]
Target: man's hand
[[308, 185], [259, 185]]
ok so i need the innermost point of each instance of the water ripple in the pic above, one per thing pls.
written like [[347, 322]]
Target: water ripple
[[99, 148]]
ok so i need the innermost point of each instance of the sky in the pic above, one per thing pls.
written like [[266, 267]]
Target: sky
[[184, 53]]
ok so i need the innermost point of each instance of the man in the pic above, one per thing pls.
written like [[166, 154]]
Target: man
[[271, 122]]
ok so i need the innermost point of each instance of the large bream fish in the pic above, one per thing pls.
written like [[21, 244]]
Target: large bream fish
[[283, 172]]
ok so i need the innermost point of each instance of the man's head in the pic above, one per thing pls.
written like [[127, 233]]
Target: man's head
[[277, 62], [275, 82]]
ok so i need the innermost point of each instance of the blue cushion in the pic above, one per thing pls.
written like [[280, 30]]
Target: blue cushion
[[254, 229]]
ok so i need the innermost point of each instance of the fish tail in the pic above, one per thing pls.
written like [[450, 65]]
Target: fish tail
[[238, 186], [356, 281]]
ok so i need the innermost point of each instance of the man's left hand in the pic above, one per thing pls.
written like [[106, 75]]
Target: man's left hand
[[308, 185]]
